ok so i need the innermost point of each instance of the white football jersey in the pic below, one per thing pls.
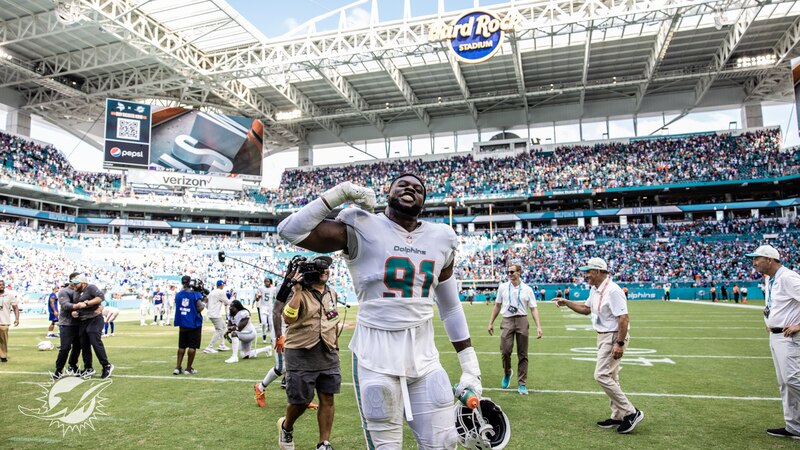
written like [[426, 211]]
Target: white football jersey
[[394, 274], [267, 298]]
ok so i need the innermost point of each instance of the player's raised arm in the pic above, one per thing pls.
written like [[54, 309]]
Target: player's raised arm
[[309, 228], [455, 325]]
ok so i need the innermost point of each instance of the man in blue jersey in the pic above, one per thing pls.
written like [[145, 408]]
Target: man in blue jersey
[[52, 310], [188, 306]]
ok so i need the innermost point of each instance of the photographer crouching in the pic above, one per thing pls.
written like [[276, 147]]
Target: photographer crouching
[[190, 301], [311, 350]]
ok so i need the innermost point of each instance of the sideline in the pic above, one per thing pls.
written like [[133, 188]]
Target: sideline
[[729, 305], [540, 391]]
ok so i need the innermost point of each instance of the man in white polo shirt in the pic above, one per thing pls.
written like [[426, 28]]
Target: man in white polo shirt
[[609, 310], [782, 316], [514, 298], [8, 304]]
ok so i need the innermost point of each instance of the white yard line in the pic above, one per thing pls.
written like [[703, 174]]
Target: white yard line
[[542, 391], [729, 305]]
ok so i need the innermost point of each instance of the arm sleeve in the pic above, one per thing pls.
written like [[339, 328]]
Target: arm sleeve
[[451, 311], [284, 291], [300, 224]]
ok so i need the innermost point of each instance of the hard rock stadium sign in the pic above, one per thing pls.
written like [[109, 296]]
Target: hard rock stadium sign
[[475, 36]]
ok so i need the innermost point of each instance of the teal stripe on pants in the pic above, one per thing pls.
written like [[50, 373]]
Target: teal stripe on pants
[[370, 445]]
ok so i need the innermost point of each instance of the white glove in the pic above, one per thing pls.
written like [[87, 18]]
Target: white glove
[[470, 372], [364, 197]]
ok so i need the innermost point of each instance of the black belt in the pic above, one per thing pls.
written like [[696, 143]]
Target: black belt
[[605, 332], [776, 330]]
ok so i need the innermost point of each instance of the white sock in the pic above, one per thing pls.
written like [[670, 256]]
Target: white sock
[[271, 376]]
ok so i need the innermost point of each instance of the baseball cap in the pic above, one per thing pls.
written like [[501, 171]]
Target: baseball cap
[[185, 279], [220, 282], [79, 279], [766, 251], [327, 259], [595, 263]]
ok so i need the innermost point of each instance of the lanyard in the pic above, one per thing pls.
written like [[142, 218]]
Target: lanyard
[[600, 301], [519, 291], [770, 285]]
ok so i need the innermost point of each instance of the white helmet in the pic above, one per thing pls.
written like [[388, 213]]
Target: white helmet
[[45, 346], [483, 428]]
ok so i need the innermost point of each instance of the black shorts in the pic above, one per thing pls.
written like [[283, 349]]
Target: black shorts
[[189, 337], [301, 384]]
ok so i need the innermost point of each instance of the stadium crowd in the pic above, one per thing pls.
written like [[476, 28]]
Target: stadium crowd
[[37, 260], [712, 157], [670, 252], [708, 157], [46, 167]]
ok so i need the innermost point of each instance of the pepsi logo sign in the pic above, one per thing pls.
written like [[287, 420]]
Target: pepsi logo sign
[[115, 152], [475, 36]]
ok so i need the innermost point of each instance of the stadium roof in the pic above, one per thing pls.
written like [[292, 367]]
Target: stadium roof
[[570, 60]]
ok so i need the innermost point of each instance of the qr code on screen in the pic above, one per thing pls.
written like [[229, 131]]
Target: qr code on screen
[[128, 129]]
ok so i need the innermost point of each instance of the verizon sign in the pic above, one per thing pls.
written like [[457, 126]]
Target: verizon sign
[[184, 180]]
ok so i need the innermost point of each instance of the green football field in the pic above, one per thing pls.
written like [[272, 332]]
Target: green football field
[[702, 373]]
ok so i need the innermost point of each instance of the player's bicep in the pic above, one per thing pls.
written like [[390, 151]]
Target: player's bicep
[[447, 272], [328, 236]]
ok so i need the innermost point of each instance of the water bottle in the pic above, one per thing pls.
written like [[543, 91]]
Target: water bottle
[[468, 398]]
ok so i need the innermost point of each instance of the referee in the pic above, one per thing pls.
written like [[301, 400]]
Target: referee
[[782, 316]]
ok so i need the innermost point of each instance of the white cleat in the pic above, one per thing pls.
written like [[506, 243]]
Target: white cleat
[[210, 350], [232, 360]]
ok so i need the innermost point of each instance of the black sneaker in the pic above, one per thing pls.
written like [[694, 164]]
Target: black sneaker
[[107, 371], [782, 432], [630, 421], [2, 360], [283, 383], [87, 373], [609, 423], [57, 375]]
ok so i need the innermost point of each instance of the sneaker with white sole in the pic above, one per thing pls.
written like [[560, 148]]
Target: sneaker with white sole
[[191, 371], [324, 445], [223, 348], [506, 381], [210, 350], [232, 360], [630, 421], [107, 371], [285, 438], [88, 373], [782, 432], [177, 371], [609, 423]]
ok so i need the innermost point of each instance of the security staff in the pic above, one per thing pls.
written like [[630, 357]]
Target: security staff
[[514, 298], [782, 317]]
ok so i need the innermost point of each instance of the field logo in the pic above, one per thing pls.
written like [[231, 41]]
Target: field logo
[[70, 403], [115, 152], [475, 36]]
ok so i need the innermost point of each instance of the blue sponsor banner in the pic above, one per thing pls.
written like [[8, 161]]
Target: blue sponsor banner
[[127, 134]]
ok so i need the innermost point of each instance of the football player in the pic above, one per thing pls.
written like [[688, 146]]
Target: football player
[[397, 264], [265, 298], [52, 310], [158, 307]]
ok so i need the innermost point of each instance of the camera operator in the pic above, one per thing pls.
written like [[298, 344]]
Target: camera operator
[[311, 348], [189, 303]]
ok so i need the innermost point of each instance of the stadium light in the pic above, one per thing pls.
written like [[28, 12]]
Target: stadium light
[[755, 61]]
